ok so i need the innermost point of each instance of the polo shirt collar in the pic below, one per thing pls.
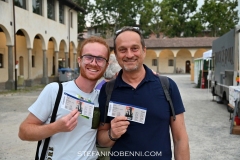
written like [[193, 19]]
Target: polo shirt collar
[[148, 77]]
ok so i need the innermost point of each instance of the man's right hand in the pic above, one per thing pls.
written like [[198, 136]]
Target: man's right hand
[[68, 122], [119, 126]]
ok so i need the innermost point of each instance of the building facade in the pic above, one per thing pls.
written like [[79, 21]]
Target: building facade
[[45, 35], [174, 55]]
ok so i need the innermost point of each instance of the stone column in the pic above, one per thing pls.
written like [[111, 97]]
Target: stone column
[[75, 60], [29, 81], [45, 79], [10, 82], [56, 63], [157, 65], [174, 65], [66, 60]]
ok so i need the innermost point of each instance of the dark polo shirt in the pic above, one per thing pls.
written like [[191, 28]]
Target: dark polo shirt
[[152, 139]]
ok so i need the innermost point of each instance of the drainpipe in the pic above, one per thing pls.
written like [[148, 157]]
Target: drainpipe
[[69, 41], [15, 46]]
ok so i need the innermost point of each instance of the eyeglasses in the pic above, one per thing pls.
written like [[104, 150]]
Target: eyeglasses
[[89, 59]]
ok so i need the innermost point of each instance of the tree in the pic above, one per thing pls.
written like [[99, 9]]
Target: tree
[[81, 16], [110, 15], [150, 21], [178, 18], [219, 16]]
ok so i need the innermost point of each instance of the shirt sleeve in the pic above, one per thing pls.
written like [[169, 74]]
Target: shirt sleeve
[[43, 106]]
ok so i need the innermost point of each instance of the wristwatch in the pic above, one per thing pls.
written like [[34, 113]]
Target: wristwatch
[[109, 135]]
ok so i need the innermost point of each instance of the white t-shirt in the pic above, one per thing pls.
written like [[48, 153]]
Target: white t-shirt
[[78, 144]]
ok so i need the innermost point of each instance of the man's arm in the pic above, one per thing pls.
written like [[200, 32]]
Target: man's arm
[[33, 129], [117, 128], [180, 138]]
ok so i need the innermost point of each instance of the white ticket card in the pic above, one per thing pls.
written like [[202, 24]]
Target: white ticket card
[[133, 113], [70, 103]]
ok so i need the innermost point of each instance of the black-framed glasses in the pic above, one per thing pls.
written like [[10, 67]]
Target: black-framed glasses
[[99, 60]]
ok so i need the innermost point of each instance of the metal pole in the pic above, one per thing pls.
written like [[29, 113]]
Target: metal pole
[[69, 41], [15, 52]]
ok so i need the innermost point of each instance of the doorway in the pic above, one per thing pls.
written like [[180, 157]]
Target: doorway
[[188, 66]]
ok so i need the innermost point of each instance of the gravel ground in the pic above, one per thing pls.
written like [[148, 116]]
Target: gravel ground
[[207, 124]]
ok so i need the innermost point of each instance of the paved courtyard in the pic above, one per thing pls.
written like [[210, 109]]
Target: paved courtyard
[[207, 124]]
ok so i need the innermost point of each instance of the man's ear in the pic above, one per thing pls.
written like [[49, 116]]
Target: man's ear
[[144, 51], [79, 61]]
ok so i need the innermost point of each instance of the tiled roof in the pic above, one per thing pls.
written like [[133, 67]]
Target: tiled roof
[[191, 42]]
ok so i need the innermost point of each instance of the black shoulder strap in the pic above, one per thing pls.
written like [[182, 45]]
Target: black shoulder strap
[[165, 84], [53, 118], [108, 89]]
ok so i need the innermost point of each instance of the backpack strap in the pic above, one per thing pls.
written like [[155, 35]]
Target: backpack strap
[[165, 84], [53, 118], [108, 89]]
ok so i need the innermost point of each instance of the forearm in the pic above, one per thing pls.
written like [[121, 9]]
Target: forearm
[[103, 139], [181, 150], [33, 132]]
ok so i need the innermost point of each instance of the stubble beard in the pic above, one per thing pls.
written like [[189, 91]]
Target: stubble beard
[[83, 74], [129, 69]]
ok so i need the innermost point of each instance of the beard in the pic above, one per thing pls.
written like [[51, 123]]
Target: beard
[[91, 77], [130, 68]]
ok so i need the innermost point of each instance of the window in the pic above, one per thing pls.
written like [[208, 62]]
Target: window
[[20, 3], [154, 62], [170, 62], [33, 61], [50, 9], [1, 60], [61, 13], [37, 6]]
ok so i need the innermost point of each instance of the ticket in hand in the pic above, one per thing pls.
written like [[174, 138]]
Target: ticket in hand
[[70, 103], [133, 113]]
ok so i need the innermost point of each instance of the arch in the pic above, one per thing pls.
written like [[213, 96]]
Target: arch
[[26, 35], [151, 59], [74, 49], [61, 55], [9, 41], [63, 45], [164, 59], [55, 45], [39, 36], [199, 53], [183, 55]]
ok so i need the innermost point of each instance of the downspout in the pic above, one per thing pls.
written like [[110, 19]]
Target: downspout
[[69, 41], [15, 50]]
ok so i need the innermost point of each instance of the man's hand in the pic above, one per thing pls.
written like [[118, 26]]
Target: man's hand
[[119, 126], [68, 122]]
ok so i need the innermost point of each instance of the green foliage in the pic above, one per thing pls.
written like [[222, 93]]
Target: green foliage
[[81, 16], [150, 21], [174, 18], [178, 18], [219, 16], [110, 15]]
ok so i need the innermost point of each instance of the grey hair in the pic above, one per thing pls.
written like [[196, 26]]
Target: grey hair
[[113, 68]]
